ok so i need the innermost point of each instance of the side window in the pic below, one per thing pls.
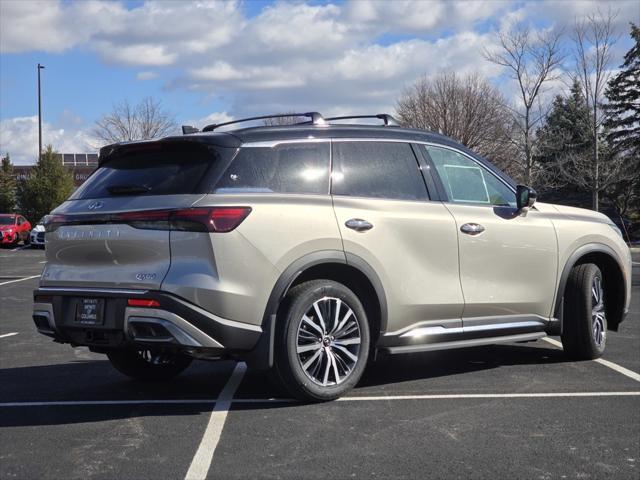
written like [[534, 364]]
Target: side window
[[377, 169], [286, 168], [466, 181]]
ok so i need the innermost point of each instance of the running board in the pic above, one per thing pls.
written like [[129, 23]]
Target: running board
[[429, 347]]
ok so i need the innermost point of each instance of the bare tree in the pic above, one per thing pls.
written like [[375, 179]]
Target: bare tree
[[593, 40], [288, 120], [468, 109], [532, 59], [128, 122]]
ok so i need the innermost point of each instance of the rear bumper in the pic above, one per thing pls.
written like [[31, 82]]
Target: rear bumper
[[175, 324]]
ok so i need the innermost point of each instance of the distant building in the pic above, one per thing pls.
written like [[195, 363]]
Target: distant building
[[80, 164]]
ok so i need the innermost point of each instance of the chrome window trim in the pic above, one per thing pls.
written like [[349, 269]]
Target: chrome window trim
[[275, 143], [73, 290]]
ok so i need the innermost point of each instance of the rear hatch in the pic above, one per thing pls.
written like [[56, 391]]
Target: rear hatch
[[114, 230]]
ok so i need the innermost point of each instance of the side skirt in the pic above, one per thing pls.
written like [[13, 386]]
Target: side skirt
[[522, 337]]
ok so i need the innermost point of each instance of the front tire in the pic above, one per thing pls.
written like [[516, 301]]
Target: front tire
[[149, 364], [322, 341], [584, 330]]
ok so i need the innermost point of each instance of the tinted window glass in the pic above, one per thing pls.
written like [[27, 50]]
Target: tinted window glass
[[286, 168], [166, 171], [377, 169], [466, 181]]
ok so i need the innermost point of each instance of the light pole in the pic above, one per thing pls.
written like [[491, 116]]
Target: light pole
[[40, 67]]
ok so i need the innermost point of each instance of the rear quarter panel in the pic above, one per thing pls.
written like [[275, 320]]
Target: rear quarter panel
[[232, 274]]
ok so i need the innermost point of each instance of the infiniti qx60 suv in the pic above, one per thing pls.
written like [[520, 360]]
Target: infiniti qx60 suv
[[308, 249]]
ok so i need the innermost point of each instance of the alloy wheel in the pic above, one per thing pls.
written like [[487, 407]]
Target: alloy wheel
[[598, 313], [328, 341]]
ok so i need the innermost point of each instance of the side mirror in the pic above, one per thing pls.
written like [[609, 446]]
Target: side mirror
[[525, 196]]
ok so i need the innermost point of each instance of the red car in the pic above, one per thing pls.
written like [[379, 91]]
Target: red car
[[13, 228]]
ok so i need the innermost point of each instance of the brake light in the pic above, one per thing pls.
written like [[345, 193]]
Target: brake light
[[204, 219], [43, 299], [142, 302], [219, 219]]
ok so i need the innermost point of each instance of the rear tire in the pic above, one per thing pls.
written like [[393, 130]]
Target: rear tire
[[148, 364], [322, 341], [584, 329]]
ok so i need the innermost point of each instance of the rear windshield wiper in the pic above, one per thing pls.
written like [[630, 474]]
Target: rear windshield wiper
[[127, 189]]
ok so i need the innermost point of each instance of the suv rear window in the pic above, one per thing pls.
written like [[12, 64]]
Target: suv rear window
[[286, 168], [171, 170], [377, 169]]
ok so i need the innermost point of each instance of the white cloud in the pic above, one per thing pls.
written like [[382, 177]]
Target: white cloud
[[352, 57], [19, 137], [142, 76], [148, 55], [36, 25]]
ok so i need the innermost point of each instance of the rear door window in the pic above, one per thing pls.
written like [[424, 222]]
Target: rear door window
[[285, 168], [377, 169], [170, 170]]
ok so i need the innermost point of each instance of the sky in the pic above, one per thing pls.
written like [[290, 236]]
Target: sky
[[212, 61]]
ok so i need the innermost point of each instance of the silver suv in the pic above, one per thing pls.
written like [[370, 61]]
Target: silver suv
[[309, 249]]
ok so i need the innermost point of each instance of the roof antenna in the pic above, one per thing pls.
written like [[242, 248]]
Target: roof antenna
[[188, 129]]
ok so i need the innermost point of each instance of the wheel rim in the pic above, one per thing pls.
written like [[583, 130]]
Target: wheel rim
[[328, 341], [598, 314]]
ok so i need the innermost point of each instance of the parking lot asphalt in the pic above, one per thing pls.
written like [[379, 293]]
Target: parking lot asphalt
[[507, 411]]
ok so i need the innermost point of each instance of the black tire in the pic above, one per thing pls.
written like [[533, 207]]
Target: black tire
[[148, 365], [584, 329], [352, 335], [27, 240]]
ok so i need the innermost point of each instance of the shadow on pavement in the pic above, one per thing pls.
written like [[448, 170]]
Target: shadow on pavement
[[96, 380]]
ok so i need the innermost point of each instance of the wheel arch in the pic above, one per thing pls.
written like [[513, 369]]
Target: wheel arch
[[605, 258], [350, 270]]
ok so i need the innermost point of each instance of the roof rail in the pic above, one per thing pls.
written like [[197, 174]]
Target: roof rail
[[388, 120], [316, 119]]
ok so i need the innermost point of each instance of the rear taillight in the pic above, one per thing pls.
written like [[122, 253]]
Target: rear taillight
[[142, 302], [201, 219], [43, 299]]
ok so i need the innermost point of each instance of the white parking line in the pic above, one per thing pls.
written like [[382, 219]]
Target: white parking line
[[204, 455], [614, 366], [199, 401], [19, 280], [8, 334]]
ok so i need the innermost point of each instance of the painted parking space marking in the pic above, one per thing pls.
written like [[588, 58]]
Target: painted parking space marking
[[249, 401], [613, 366], [204, 455], [5, 335], [19, 280]]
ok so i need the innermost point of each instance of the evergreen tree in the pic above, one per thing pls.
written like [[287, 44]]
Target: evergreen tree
[[565, 136], [48, 186], [567, 127], [623, 107], [623, 128], [7, 186]]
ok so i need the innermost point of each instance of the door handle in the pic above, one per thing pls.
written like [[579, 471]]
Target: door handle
[[358, 224], [472, 228]]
